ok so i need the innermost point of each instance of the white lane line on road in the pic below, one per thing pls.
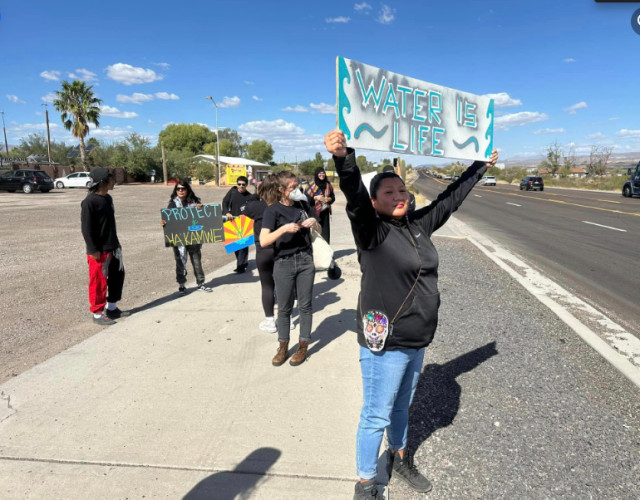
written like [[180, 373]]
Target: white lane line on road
[[477, 196], [607, 227], [609, 201], [514, 204], [616, 345]]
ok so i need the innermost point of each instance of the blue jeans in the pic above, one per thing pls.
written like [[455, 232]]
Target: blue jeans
[[294, 273], [389, 380]]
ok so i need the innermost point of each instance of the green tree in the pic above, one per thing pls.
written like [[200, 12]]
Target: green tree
[[553, 159], [236, 140], [259, 150], [204, 170], [189, 137], [79, 107], [136, 156], [228, 148]]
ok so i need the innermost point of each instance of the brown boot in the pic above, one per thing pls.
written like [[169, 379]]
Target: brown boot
[[300, 355], [281, 355]]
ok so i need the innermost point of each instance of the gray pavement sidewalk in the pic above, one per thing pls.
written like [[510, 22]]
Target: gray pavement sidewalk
[[181, 400]]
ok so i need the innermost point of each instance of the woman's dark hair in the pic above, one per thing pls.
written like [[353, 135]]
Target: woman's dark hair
[[375, 182], [191, 196]]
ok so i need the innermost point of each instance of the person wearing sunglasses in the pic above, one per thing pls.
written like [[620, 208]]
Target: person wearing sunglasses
[[183, 196], [233, 206]]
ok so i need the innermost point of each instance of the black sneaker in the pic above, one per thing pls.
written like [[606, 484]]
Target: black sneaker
[[404, 469], [103, 320], [117, 313], [366, 490], [182, 291]]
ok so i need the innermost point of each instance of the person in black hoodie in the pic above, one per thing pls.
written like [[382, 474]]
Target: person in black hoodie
[[397, 311], [233, 205], [104, 253]]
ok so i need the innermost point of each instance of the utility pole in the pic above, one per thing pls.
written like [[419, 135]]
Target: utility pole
[[6, 144], [218, 180], [164, 165], [46, 112]]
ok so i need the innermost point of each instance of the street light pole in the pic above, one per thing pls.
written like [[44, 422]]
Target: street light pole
[[217, 140], [46, 111], [6, 144]]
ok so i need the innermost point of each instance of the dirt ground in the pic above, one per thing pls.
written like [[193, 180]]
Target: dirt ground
[[44, 306]]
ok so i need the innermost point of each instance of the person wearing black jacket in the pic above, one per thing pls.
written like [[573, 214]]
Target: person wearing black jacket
[[104, 253], [397, 311], [321, 197], [183, 196], [233, 205]]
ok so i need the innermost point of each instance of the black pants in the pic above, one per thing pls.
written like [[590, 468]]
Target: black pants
[[242, 258], [264, 262], [324, 219], [194, 252]]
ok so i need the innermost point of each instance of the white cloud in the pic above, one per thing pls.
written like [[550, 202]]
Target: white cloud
[[165, 96], [286, 138], [135, 98], [25, 128], [323, 108], [503, 100], [163, 65], [49, 97], [386, 15], [572, 109], [297, 109], [569, 60], [130, 75], [111, 133], [518, 119], [116, 113], [230, 102], [15, 99], [247, 82], [544, 131], [340, 19], [52, 75], [362, 7], [139, 98], [613, 118], [628, 133], [84, 75], [150, 122], [256, 98], [597, 135]]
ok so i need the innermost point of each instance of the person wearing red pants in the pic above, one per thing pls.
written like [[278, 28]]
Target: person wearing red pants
[[104, 253]]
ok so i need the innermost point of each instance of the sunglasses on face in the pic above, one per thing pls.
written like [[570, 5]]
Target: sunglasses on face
[[181, 189], [241, 184]]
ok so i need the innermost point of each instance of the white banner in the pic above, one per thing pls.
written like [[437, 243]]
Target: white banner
[[386, 111]]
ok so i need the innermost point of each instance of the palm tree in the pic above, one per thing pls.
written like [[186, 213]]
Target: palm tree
[[79, 107]]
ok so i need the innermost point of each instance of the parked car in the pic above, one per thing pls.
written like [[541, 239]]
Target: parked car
[[27, 181], [77, 179], [532, 182], [488, 180], [448, 177]]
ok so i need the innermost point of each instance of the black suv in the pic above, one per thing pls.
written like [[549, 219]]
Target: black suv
[[532, 182], [27, 181]]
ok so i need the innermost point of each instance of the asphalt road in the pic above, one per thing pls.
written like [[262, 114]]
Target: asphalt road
[[585, 241]]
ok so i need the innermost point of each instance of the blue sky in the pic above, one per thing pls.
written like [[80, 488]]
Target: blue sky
[[563, 70]]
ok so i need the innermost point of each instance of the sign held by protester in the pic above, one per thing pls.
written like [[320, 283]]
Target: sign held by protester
[[386, 111], [238, 233], [192, 225]]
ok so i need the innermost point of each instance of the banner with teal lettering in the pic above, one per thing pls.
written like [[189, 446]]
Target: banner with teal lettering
[[192, 225], [386, 111]]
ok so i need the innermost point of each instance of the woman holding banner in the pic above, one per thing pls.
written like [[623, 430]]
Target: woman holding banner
[[183, 196], [321, 197], [398, 304], [285, 225]]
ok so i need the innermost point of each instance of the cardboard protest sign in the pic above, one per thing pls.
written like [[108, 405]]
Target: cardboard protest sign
[[386, 111], [192, 225], [238, 233]]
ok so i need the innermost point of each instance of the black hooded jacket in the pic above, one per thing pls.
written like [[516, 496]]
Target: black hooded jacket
[[396, 254]]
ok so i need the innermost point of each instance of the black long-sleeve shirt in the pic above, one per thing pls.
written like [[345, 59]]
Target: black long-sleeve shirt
[[395, 254], [234, 201], [98, 221]]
